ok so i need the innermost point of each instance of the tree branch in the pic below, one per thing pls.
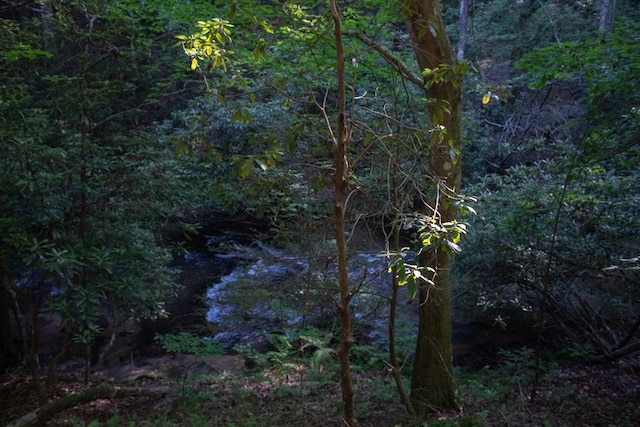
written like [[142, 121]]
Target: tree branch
[[390, 57], [15, 5], [618, 354], [41, 415]]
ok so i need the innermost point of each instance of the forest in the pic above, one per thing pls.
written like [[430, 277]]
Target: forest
[[320, 212]]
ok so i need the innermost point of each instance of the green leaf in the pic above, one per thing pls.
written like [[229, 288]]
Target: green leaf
[[291, 143], [401, 273], [245, 169], [412, 287]]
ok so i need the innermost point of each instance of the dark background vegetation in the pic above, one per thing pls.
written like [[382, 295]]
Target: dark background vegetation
[[116, 158]]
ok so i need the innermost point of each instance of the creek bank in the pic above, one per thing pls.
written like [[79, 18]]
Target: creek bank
[[239, 291], [200, 242], [272, 291]]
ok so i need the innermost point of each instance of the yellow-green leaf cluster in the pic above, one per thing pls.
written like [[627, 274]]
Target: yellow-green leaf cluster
[[208, 44]]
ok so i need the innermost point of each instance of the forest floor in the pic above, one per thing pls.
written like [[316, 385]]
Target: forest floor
[[222, 391]]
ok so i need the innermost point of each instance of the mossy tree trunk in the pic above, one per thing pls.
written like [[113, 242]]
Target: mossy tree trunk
[[433, 384]]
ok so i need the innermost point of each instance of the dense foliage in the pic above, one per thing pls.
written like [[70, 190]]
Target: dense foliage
[[119, 117], [85, 182]]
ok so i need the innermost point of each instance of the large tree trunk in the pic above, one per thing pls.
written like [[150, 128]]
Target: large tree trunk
[[8, 349], [433, 385]]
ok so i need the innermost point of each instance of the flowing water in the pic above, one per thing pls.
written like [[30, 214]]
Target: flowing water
[[272, 291], [256, 290]]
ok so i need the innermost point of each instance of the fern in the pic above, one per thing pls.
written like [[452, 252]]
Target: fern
[[293, 349], [282, 344], [321, 355], [186, 342]]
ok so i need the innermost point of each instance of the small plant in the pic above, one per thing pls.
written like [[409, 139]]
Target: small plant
[[518, 362], [309, 346], [186, 342], [579, 351], [366, 357]]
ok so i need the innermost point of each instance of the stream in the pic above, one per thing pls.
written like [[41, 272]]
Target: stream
[[273, 291], [245, 292]]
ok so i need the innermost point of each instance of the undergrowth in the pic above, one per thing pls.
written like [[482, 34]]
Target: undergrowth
[[296, 383]]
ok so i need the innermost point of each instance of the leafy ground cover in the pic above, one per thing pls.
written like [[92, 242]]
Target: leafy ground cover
[[223, 391]]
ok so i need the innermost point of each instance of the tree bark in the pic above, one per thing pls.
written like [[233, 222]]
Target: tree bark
[[340, 184], [607, 11], [617, 354], [8, 350], [433, 385], [462, 29]]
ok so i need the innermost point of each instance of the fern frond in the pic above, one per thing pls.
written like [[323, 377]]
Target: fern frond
[[321, 355]]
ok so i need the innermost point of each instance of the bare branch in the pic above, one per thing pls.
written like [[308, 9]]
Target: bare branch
[[389, 56], [15, 5]]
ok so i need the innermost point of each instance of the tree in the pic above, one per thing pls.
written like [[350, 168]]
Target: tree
[[607, 12], [209, 45], [81, 196], [462, 29], [433, 384], [340, 177]]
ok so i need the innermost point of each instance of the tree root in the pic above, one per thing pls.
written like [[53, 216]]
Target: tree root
[[41, 415]]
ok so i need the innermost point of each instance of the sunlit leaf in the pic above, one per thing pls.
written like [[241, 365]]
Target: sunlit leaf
[[262, 164], [267, 27], [455, 248]]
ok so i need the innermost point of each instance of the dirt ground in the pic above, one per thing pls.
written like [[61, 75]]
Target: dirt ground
[[571, 395]]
